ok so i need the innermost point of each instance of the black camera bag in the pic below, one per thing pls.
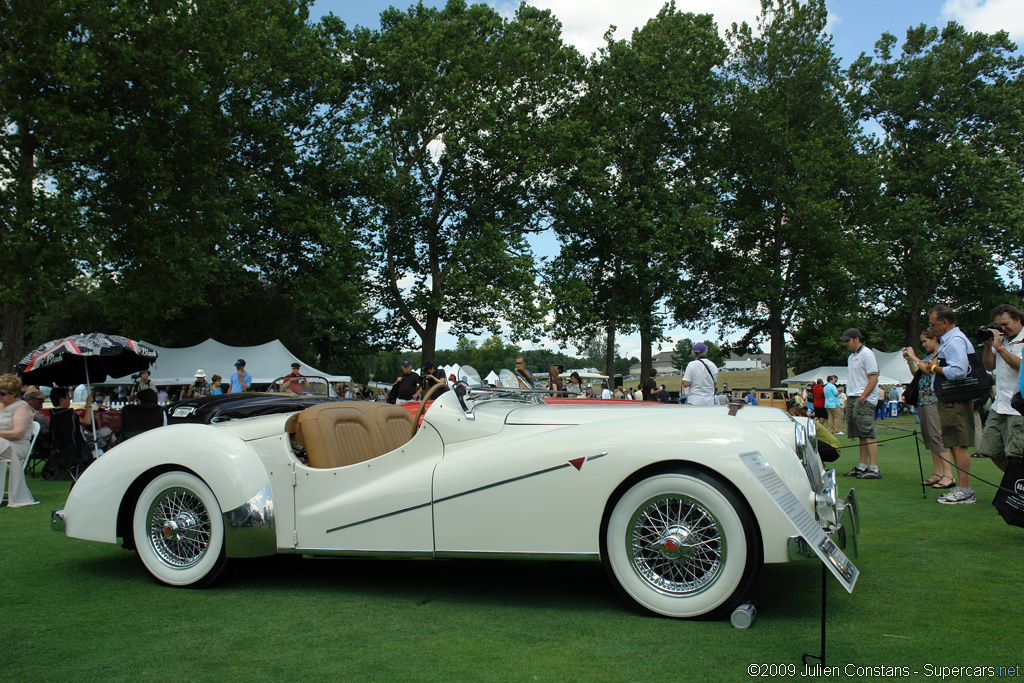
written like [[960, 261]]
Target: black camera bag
[[976, 384]]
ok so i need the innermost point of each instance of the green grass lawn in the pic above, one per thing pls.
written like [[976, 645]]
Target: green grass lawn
[[940, 585]]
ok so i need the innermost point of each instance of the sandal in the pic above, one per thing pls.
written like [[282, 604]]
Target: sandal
[[938, 484], [932, 480]]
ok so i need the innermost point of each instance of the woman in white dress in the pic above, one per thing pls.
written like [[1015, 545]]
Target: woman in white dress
[[15, 418]]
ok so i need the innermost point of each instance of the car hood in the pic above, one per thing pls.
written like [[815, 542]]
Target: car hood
[[573, 415]]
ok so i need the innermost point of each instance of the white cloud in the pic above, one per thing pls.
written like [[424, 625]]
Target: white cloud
[[988, 16], [585, 23]]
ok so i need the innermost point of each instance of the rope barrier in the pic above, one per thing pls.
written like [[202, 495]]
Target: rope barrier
[[918, 439]]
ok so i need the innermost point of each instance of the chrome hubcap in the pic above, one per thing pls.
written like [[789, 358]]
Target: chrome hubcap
[[179, 528], [676, 544]]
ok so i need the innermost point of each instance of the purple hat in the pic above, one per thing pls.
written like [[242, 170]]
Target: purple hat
[[700, 347]]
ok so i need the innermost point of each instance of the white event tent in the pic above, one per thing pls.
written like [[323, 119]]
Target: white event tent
[[892, 369], [265, 362]]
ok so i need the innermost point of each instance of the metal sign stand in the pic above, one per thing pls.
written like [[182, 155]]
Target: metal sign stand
[[821, 656]]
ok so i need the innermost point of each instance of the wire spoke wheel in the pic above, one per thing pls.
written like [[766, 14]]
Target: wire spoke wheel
[[681, 544], [676, 545], [179, 527], [179, 531]]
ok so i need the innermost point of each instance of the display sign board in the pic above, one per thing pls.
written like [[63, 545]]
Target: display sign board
[[804, 523]]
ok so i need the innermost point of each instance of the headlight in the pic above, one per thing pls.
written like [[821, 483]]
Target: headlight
[[823, 483], [826, 501], [807, 449]]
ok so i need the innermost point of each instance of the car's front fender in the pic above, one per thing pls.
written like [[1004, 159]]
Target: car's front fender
[[225, 462]]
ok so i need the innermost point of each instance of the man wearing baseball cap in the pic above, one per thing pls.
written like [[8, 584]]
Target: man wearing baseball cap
[[294, 381], [699, 378], [407, 385], [241, 380], [862, 397]]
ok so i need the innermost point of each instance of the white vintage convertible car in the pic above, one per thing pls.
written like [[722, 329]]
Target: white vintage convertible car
[[658, 493]]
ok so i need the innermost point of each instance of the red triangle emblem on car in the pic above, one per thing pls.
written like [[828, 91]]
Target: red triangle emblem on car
[[577, 463]]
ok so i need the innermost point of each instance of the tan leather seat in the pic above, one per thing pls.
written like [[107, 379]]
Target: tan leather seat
[[395, 424], [349, 432]]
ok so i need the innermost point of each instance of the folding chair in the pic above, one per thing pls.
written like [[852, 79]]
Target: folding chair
[[39, 453], [141, 417], [69, 450], [34, 428]]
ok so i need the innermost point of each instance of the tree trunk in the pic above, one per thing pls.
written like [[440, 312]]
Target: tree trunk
[[779, 369], [645, 354], [428, 340], [13, 337], [609, 353], [24, 202], [912, 327]]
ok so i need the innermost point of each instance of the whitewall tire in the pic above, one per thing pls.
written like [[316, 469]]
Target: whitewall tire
[[179, 531], [682, 544]]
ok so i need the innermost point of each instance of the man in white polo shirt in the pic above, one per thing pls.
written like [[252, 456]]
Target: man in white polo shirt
[[862, 397]]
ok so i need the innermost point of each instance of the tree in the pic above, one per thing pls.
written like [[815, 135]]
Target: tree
[[188, 168], [950, 106], [212, 175], [715, 354], [453, 105], [47, 61], [782, 248], [682, 354], [633, 180], [622, 365]]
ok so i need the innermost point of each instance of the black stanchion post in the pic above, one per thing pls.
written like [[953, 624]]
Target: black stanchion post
[[920, 467], [821, 656]]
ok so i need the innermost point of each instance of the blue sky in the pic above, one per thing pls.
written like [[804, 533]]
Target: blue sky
[[855, 26]]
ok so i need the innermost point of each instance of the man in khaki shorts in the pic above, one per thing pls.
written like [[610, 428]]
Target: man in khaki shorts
[[1003, 437], [862, 398], [953, 362]]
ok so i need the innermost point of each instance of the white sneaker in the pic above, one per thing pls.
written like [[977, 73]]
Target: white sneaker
[[958, 496]]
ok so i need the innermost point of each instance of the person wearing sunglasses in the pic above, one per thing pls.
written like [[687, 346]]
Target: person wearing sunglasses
[[15, 439]]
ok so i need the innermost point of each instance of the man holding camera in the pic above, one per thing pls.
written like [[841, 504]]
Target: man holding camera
[[141, 383], [1003, 437]]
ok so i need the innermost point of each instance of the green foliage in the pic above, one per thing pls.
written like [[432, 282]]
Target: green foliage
[[716, 353], [224, 168], [632, 178], [192, 175], [814, 346], [46, 62], [950, 105], [622, 365], [452, 108], [682, 353], [782, 247]]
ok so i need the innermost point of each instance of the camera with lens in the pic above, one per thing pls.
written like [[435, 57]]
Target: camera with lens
[[986, 332], [137, 375]]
